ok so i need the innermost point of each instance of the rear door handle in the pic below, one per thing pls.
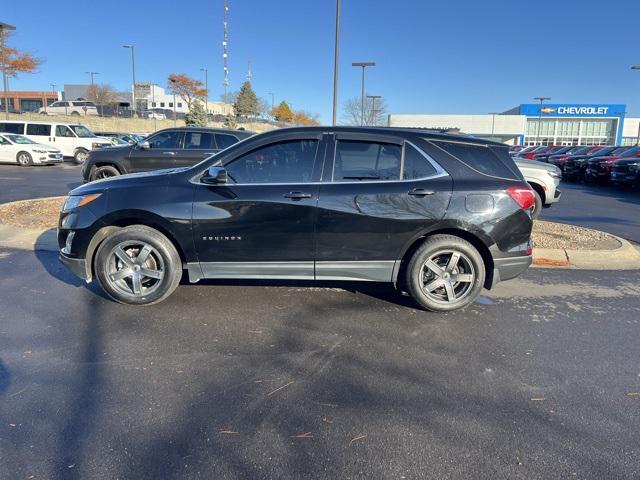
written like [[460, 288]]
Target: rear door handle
[[297, 195], [420, 192], [168, 153]]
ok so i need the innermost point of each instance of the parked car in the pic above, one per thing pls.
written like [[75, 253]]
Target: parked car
[[576, 165], [513, 149], [544, 180], [544, 157], [521, 151], [153, 114], [598, 169], [626, 172], [25, 152], [74, 140], [75, 107], [438, 215], [124, 137], [530, 154], [559, 159], [169, 148]]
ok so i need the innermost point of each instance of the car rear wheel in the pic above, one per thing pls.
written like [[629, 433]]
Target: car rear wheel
[[24, 159], [138, 265], [446, 273], [105, 171], [537, 208]]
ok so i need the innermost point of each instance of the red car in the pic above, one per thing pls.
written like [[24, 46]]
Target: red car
[[599, 168], [560, 159], [543, 149]]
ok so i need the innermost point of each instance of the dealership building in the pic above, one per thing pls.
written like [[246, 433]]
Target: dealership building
[[533, 124]]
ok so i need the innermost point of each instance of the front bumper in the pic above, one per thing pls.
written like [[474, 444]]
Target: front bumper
[[509, 267], [78, 266]]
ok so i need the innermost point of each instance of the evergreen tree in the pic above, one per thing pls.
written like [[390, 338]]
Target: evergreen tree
[[197, 116], [247, 105], [230, 122]]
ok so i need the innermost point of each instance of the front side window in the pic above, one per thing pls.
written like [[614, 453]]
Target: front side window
[[37, 129], [282, 162], [19, 139], [82, 131], [169, 139], [198, 140], [63, 131], [225, 141], [362, 161]]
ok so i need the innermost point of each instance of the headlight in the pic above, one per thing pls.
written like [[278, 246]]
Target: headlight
[[100, 145], [75, 201], [39, 151]]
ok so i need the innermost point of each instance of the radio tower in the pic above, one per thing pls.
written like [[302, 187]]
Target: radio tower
[[225, 44], [249, 73]]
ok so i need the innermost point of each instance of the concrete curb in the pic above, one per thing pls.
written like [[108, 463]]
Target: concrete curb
[[625, 257]]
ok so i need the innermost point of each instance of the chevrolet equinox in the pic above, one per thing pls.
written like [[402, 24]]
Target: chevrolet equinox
[[440, 216]]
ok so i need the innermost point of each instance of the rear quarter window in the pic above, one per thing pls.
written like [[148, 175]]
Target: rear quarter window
[[12, 128], [483, 159]]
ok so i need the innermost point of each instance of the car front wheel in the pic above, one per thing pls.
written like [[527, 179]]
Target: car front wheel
[[24, 159], [105, 171], [138, 265], [446, 273]]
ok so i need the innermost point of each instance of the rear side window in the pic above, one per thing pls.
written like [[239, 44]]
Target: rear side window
[[416, 165], [12, 128], [225, 141], [357, 161], [480, 158], [35, 129], [198, 140]]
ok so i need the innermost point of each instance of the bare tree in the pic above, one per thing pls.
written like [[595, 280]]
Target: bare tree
[[375, 113], [101, 94]]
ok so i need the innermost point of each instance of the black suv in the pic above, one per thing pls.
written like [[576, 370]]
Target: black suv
[[169, 148], [441, 216]]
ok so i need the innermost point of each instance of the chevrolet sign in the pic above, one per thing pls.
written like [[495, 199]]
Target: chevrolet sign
[[573, 110], [583, 110]]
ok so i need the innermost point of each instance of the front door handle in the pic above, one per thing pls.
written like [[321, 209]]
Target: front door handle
[[168, 153], [420, 192], [297, 195]]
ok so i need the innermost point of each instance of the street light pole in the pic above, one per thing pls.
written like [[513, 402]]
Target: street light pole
[[133, 76], [271, 93], [5, 27], [363, 65], [541, 100], [174, 102], [493, 121], [374, 118], [206, 89], [637, 67], [335, 62]]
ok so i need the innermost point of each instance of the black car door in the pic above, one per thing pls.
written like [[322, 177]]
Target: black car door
[[260, 223], [163, 149], [378, 193]]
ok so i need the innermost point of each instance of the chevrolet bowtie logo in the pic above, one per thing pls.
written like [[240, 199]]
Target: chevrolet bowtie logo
[[547, 110]]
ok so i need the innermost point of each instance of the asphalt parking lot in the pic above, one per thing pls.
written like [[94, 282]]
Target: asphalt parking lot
[[539, 379]]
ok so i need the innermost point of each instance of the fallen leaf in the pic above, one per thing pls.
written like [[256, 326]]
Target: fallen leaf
[[326, 420], [359, 437]]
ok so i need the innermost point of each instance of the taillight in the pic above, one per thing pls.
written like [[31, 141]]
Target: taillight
[[523, 196]]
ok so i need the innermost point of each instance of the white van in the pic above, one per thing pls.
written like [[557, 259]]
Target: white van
[[72, 139], [76, 107]]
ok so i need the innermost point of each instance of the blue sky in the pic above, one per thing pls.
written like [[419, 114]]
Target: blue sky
[[463, 56]]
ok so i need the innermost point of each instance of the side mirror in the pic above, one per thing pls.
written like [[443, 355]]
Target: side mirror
[[215, 176], [144, 145]]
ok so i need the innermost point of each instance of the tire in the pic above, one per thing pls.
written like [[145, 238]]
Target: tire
[[443, 278], [80, 155], [121, 272], [537, 208], [24, 159], [76, 114], [105, 171]]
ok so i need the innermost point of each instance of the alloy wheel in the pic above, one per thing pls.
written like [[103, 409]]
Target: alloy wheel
[[104, 174], [135, 268], [24, 159], [447, 276]]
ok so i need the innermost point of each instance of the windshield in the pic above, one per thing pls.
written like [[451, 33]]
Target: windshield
[[82, 131], [20, 139], [629, 152]]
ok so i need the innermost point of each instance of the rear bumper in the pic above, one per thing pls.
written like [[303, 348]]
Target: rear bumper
[[510, 267]]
